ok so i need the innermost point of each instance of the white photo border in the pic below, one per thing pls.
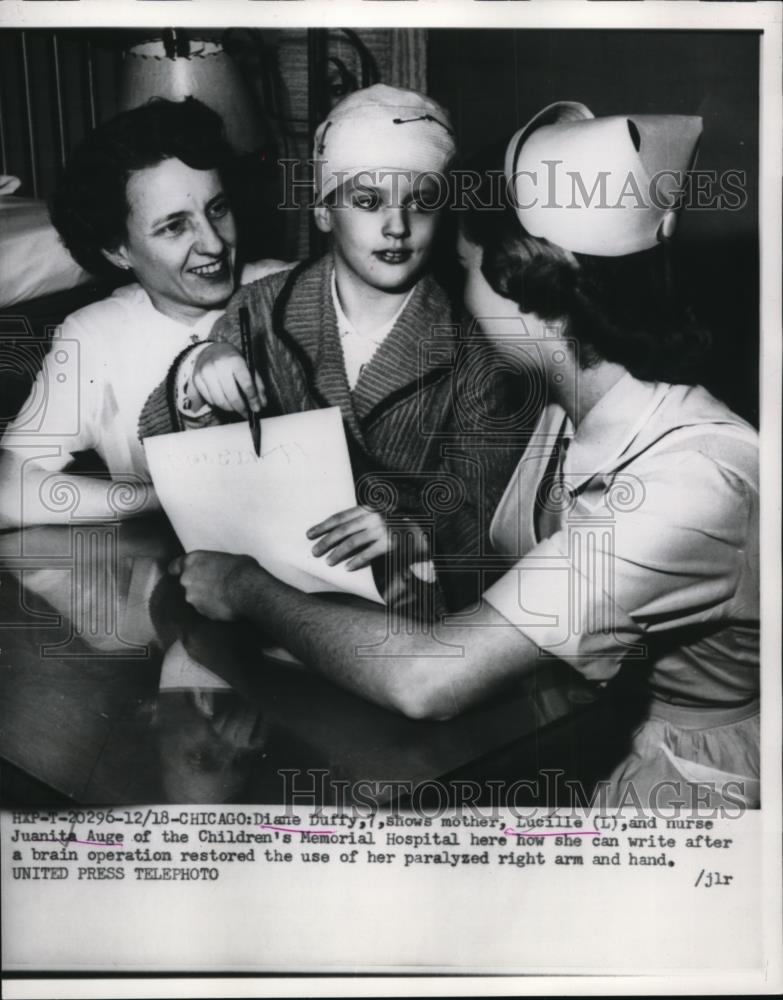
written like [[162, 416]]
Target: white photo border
[[767, 19]]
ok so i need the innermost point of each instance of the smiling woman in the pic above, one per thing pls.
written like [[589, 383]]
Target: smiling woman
[[144, 193], [181, 239]]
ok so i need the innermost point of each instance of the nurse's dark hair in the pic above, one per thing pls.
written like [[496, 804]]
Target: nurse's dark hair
[[90, 207], [622, 309]]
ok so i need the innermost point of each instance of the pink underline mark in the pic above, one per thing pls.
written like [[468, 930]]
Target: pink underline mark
[[88, 843], [293, 829], [555, 833]]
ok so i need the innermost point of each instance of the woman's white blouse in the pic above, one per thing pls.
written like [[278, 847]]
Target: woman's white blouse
[[104, 362]]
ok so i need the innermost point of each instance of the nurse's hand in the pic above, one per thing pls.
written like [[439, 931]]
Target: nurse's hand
[[215, 582], [222, 379]]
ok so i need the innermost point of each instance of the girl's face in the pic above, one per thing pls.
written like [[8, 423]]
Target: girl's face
[[522, 337], [382, 228], [181, 239]]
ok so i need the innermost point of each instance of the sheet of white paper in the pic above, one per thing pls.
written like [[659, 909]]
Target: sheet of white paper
[[218, 495]]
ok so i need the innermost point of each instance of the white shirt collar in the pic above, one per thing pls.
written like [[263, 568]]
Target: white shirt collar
[[610, 427], [345, 326], [199, 330]]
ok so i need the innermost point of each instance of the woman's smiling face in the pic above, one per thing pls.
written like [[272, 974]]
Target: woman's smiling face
[[181, 239]]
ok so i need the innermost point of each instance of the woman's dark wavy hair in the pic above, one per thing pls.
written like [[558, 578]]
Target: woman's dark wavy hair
[[90, 208], [621, 309]]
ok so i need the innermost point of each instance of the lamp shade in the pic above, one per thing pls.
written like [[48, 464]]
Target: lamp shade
[[200, 69]]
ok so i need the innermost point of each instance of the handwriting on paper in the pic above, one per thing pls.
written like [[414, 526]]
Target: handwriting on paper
[[219, 496]]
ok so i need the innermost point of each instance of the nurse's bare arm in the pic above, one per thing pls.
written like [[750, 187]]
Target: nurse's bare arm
[[411, 676], [32, 495]]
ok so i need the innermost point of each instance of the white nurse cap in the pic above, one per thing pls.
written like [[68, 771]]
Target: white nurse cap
[[601, 186]]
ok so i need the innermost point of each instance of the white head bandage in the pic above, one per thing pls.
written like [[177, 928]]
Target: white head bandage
[[381, 128]]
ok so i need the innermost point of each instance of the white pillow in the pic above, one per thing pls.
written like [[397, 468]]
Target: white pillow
[[33, 261]]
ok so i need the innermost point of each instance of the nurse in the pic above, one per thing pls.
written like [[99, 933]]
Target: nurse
[[633, 513]]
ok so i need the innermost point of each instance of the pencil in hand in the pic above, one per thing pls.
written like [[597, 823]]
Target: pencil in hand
[[254, 419]]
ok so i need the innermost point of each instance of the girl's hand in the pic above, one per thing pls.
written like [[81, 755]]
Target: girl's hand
[[363, 535], [222, 379], [356, 532]]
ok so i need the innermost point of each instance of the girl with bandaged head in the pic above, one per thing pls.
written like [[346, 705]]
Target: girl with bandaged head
[[358, 329]]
